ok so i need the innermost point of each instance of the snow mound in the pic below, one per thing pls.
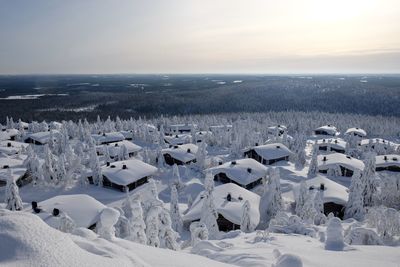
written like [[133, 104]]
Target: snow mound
[[288, 260], [25, 240], [204, 247]]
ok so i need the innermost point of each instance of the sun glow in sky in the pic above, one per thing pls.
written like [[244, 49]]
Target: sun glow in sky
[[190, 36]]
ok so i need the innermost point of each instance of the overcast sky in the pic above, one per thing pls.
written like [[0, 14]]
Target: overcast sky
[[199, 36]]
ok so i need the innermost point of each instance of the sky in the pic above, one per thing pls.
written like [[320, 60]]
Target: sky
[[199, 36]]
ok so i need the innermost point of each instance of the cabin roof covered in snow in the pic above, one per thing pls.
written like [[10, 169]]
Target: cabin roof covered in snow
[[9, 147], [356, 130], [231, 210], [387, 160], [329, 129], [272, 151], [42, 137], [333, 192], [108, 137], [178, 139], [332, 142], [239, 172], [10, 162], [135, 170], [17, 173], [339, 159], [114, 148], [181, 152], [366, 142], [83, 209]]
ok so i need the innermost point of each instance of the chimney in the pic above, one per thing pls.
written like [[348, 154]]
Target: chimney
[[124, 166], [116, 145], [188, 150], [34, 205], [229, 197], [322, 186], [176, 146], [108, 164], [56, 212], [240, 198], [9, 144], [104, 134], [278, 146], [311, 188], [220, 163], [336, 141], [5, 166], [323, 140], [233, 162], [279, 125], [385, 157], [324, 159], [256, 144], [249, 170], [112, 166]]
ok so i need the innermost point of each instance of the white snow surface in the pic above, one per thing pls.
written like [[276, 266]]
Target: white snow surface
[[231, 210], [239, 172], [135, 170]]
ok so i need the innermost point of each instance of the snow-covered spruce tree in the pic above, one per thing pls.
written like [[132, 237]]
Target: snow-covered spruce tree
[[390, 191], [355, 204], [245, 222], [105, 227], [106, 154], [308, 212], [319, 201], [198, 232], [369, 181], [153, 226], [334, 235], [272, 197], [313, 168], [167, 235], [301, 197], [123, 153], [97, 175], [201, 156], [61, 173], [123, 226], [176, 177], [209, 213], [12, 199], [176, 217], [66, 224], [48, 165]]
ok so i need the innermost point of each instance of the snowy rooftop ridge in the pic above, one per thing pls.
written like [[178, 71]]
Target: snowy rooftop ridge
[[272, 151], [184, 153], [244, 171], [327, 161]]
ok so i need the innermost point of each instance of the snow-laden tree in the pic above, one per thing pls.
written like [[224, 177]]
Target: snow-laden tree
[[153, 226], [355, 204], [334, 235], [390, 191], [97, 175], [60, 172], [189, 201], [201, 155], [198, 232], [12, 199], [176, 217], [48, 165], [308, 212], [245, 222], [301, 197], [123, 226], [271, 200], [167, 235], [135, 217], [209, 213], [123, 153], [369, 181], [66, 223], [176, 177], [105, 226], [319, 201], [313, 168]]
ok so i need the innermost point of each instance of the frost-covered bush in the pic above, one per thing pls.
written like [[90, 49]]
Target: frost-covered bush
[[105, 226], [334, 235], [362, 236], [387, 223], [283, 223], [198, 232], [286, 260]]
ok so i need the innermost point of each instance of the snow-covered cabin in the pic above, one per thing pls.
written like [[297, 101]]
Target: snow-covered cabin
[[107, 138], [335, 196], [202, 136], [9, 134], [346, 164], [114, 148], [228, 201], [358, 132], [332, 144], [180, 154], [277, 130], [10, 148], [328, 130], [388, 163], [247, 173], [19, 174], [378, 145], [269, 154], [178, 139], [127, 175], [128, 135], [40, 138], [84, 210], [9, 162], [179, 128]]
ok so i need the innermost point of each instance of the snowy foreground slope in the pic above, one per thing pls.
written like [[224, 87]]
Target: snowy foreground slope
[[28, 241]]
